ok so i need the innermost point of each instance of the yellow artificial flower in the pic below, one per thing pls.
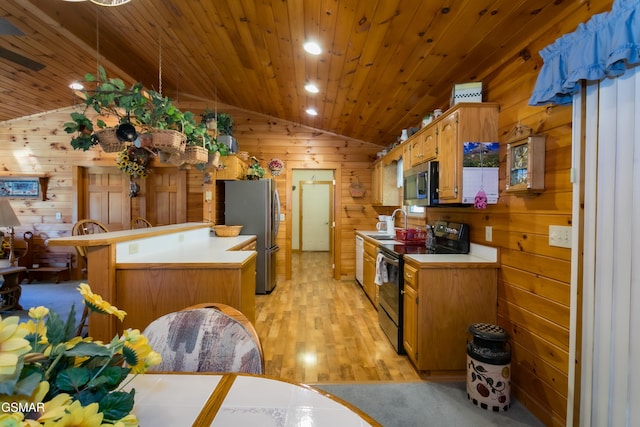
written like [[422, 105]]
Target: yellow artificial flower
[[137, 352], [38, 329], [128, 421], [37, 395], [11, 419], [97, 304], [38, 313], [77, 415], [55, 408], [12, 344]]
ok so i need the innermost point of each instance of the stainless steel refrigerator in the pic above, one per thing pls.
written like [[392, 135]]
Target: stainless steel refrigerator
[[256, 206]]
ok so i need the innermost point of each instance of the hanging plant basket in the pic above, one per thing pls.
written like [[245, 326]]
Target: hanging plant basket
[[109, 141], [169, 141], [195, 155], [170, 158]]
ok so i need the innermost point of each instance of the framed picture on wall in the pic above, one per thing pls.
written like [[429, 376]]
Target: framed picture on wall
[[19, 187]]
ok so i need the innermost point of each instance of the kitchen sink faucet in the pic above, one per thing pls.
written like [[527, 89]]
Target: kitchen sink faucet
[[393, 216]]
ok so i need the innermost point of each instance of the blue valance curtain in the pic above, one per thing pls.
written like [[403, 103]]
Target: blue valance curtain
[[605, 46]]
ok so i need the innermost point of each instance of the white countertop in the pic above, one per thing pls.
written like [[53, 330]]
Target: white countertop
[[191, 247], [477, 253]]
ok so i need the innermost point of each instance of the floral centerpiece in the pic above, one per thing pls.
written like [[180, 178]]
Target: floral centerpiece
[[51, 377]]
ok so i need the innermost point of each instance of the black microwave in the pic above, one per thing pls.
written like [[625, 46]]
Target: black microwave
[[420, 185]]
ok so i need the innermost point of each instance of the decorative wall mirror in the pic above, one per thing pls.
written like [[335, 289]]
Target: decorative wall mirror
[[525, 164]]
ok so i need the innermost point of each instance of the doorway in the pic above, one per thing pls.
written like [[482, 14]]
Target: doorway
[[312, 187], [316, 208]]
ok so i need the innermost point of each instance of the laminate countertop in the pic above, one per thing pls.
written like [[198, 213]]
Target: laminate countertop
[[478, 256]]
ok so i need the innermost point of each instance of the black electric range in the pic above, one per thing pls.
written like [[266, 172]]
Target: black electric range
[[451, 238]]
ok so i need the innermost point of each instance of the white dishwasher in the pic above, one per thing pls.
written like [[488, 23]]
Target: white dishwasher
[[359, 259]]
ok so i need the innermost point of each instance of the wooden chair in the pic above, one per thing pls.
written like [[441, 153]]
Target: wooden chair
[[85, 227], [139, 222], [206, 338], [82, 228]]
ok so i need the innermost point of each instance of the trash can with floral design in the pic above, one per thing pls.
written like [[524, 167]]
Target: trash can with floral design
[[489, 367]]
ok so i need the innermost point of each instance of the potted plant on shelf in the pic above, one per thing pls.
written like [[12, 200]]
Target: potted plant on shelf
[[255, 171], [225, 132], [210, 120]]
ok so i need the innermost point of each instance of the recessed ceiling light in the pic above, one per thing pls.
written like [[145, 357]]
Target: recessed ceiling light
[[76, 86], [313, 48], [310, 87], [312, 111], [110, 2]]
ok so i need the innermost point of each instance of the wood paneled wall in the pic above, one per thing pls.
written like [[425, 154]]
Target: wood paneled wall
[[534, 279]]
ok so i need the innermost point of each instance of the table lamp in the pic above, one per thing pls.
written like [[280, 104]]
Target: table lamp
[[9, 219]]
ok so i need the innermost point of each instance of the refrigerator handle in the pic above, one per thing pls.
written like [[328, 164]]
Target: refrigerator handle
[[276, 202]]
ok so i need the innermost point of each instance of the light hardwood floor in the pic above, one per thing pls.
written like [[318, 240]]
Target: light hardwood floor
[[315, 329]]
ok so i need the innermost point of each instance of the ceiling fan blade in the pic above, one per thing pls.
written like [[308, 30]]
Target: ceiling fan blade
[[20, 60]]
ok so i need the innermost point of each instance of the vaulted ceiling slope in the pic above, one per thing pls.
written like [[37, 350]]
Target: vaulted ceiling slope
[[385, 63]]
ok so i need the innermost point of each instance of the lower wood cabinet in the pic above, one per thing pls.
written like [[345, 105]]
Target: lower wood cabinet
[[410, 334], [440, 302], [369, 272]]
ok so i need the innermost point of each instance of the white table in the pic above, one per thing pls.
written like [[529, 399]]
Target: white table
[[237, 400]]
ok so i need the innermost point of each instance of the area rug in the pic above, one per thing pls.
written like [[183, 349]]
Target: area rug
[[425, 403]]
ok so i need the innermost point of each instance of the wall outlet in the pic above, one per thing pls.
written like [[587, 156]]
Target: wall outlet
[[133, 248], [58, 215], [560, 236], [488, 233]]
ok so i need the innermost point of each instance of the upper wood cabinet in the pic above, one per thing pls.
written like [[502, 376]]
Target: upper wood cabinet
[[385, 184], [423, 146], [231, 167], [463, 123], [385, 179]]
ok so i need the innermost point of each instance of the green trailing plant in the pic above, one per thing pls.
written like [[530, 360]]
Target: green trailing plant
[[110, 97], [159, 113], [225, 124]]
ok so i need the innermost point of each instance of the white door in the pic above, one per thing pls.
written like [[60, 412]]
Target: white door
[[315, 215]]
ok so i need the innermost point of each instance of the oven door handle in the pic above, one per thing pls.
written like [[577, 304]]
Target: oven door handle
[[391, 261]]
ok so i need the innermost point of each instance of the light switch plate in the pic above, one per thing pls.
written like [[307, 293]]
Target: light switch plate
[[560, 236], [488, 233]]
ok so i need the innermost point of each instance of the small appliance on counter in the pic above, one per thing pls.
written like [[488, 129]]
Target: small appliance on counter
[[386, 224], [451, 237]]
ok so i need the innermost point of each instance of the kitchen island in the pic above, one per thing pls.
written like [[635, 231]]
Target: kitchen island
[[154, 271]]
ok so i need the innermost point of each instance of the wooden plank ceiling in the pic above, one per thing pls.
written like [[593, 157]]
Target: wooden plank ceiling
[[384, 63]]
